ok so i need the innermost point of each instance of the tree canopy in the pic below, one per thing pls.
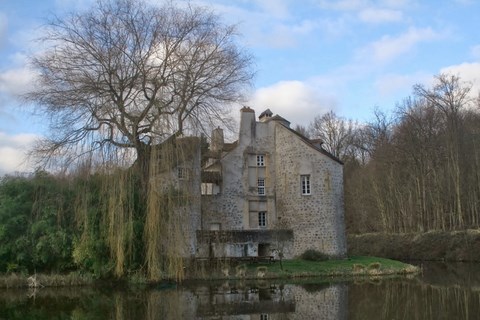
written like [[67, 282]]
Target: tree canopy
[[126, 74]]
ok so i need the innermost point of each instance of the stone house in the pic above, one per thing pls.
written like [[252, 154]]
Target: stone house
[[271, 192]]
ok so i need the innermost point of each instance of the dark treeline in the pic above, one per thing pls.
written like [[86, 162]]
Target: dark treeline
[[416, 170]]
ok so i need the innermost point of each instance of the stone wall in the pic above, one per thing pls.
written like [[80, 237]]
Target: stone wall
[[317, 219]]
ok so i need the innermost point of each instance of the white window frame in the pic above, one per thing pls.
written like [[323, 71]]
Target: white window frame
[[305, 184], [261, 186], [182, 173], [262, 219], [260, 160]]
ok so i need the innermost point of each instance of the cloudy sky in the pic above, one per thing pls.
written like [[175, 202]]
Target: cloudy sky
[[312, 56]]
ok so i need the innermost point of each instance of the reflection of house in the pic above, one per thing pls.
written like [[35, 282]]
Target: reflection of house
[[267, 300], [272, 189]]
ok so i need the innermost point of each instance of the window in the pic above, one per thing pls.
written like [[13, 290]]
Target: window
[[215, 226], [209, 188], [262, 219], [305, 183], [261, 187], [263, 316], [182, 173], [260, 160]]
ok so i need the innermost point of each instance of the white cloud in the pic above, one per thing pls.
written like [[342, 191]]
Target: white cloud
[[16, 81], [468, 72], [296, 101], [388, 48], [13, 149], [375, 16]]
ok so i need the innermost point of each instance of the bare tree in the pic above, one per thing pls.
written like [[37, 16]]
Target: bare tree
[[302, 130], [335, 132], [127, 75], [422, 169], [451, 97]]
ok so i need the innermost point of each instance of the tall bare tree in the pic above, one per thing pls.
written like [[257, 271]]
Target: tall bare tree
[[335, 132], [450, 96], [126, 74]]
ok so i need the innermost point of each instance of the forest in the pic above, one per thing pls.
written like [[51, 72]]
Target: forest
[[415, 170]]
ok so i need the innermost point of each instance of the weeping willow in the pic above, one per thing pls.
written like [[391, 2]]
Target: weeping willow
[[147, 228], [169, 207], [119, 218], [104, 212], [162, 231]]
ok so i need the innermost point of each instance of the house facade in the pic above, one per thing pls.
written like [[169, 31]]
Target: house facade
[[272, 192]]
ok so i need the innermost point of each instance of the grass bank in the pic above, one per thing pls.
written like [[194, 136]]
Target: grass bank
[[356, 266], [433, 245], [17, 280]]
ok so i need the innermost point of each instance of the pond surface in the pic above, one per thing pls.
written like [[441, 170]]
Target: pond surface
[[443, 291]]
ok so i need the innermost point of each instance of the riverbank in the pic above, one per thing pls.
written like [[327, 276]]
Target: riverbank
[[356, 266], [17, 280], [352, 267], [430, 246]]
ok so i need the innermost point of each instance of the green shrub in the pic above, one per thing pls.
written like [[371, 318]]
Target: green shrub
[[314, 255]]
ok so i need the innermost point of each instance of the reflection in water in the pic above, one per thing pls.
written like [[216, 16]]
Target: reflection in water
[[443, 292], [409, 300], [266, 300], [229, 300]]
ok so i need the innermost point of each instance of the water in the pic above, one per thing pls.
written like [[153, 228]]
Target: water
[[443, 291]]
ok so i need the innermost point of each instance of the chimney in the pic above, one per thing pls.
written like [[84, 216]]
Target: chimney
[[247, 126], [217, 140], [265, 115]]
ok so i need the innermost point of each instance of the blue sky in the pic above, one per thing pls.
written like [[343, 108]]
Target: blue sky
[[311, 56]]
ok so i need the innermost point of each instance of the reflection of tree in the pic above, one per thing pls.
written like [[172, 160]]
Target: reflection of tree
[[412, 299], [279, 237]]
